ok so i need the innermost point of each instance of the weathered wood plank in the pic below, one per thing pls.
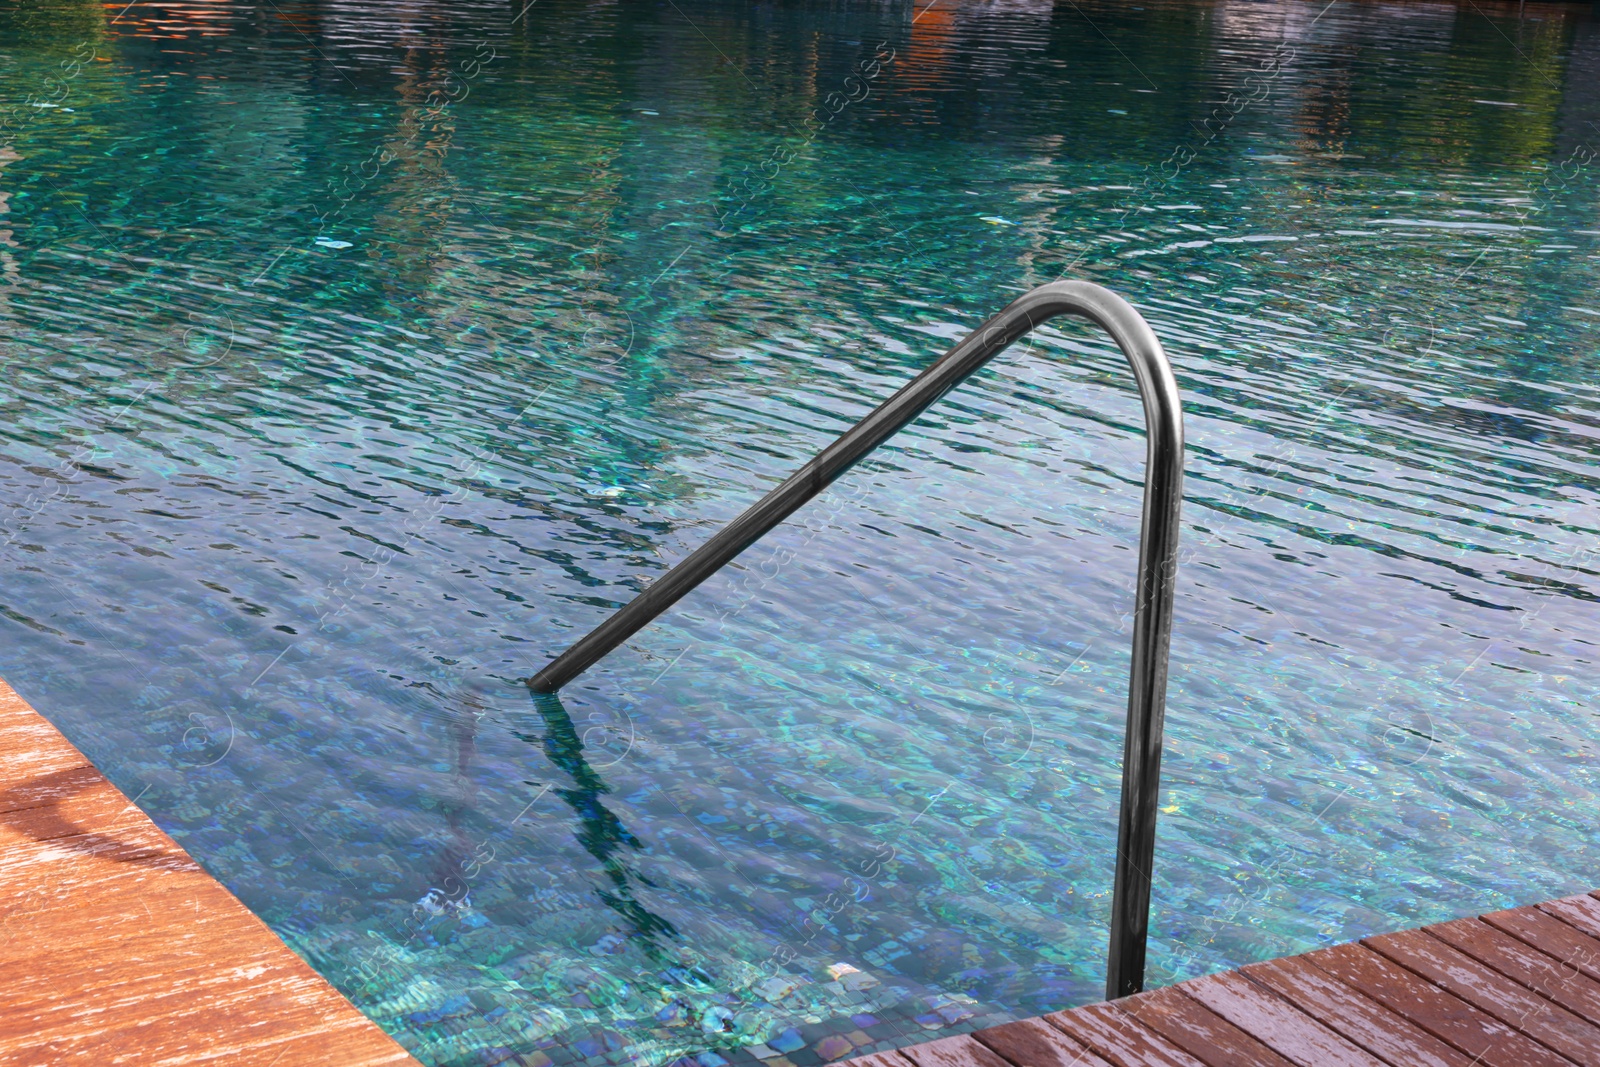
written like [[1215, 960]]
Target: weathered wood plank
[[1550, 936], [1276, 1023], [1493, 993], [1034, 1043], [1359, 1018], [1442, 1014], [116, 947], [1120, 1038], [31, 747], [878, 1059], [960, 1051], [1197, 1030], [1523, 963], [1582, 912], [53, 788]]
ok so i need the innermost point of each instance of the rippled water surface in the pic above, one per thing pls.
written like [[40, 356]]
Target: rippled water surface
[[359, 357]]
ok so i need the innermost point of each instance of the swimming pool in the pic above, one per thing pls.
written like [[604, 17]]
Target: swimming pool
[[358, 360]]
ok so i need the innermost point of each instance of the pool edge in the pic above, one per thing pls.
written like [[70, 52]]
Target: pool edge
[[117, 945]]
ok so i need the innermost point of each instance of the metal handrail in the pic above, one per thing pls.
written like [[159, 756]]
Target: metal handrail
[[1158, 559]]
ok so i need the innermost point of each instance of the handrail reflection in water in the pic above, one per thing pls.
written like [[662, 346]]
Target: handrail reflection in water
[[600, 832]]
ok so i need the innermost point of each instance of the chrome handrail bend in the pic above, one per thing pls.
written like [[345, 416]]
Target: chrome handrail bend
[[1158, 558]]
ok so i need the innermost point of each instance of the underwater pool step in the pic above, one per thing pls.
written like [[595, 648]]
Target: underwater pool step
[[1516, 988], [116, 947]]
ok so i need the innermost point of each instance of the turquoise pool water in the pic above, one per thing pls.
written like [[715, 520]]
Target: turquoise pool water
[[359, 357]]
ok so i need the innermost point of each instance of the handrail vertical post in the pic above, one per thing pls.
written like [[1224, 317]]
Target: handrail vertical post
[[1154, 585], [1147, 688]]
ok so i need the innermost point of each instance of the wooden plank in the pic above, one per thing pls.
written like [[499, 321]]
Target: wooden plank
[[878, 1059], [1120, 1038], [162, 1025], [114, 885], [1034, 1043], [1276, 1023], [1358, 1017], [30, 746], [90, 811], [1493, 993], [1582, 912], [1523, 963], [958, 1051], [1551, 936], [117, 948], [1197, 1030], [52, 788], [1442, 1014]]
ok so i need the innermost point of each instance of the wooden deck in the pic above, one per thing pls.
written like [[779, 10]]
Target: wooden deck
[[1517, 988], [116, 948]]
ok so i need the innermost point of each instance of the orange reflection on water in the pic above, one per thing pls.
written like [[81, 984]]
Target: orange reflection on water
[[180, 18]]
